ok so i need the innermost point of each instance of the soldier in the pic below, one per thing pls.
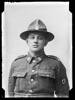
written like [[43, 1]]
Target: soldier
[[37, 74]]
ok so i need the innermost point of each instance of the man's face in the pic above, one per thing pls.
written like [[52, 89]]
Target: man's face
[[36, 42]]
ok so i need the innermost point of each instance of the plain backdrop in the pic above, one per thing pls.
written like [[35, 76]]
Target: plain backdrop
[[16, 18]]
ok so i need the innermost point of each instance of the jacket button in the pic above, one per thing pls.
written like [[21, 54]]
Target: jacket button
[[32, 80], [30, 91], [33, 70], [34, 61]]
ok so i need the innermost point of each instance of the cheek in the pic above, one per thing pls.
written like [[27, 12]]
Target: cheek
[[28, 42], [42, 43]]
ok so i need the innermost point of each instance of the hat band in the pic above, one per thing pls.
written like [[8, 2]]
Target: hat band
[[42, 29]]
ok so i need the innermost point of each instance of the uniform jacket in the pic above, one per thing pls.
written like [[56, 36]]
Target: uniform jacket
[[44, 74]]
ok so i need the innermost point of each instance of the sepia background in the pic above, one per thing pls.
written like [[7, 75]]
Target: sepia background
[[16, 18]]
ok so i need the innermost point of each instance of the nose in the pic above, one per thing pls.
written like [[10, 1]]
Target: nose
[[35, 40]]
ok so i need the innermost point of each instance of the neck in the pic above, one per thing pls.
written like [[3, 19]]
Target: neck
[[35, 54]]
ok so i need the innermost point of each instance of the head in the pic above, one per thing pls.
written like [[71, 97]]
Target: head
[[36, 42], [37, 35]]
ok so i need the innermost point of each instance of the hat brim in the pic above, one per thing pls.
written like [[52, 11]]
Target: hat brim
[[48, 35]]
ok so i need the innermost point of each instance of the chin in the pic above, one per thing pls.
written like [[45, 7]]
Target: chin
[[35, 50]]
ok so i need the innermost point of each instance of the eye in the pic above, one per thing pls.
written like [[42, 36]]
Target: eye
[[40, 37], [31, 37]]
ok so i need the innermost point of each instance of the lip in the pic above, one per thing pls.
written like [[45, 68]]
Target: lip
[[35, 45]]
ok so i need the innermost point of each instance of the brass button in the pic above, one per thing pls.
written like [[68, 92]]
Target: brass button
[[34, 61], [30, 91], [33, 70], [32, 80]]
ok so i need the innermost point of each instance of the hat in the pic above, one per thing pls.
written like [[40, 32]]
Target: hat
[[37, 26]]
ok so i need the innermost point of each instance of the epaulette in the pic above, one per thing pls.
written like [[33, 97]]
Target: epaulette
[[54, 57], [21, 56]]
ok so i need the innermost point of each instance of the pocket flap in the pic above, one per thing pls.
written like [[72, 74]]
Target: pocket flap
[[49, 73], [19, 74]]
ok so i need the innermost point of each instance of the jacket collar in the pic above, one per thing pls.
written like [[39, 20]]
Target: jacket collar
[[40, 57]]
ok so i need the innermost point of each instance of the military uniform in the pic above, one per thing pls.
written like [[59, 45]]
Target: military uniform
[[37, 76], [40, 76]]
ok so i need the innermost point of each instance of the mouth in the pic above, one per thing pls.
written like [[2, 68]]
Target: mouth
[[35, 46]]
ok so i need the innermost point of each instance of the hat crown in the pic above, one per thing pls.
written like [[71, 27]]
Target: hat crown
[[37, 25]]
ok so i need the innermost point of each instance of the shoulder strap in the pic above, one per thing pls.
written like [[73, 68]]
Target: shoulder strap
[[21, 56], [54, 57]]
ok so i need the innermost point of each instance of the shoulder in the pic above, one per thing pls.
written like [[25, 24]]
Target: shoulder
[[17, 60], [53, 57], [58, 62], [55, 61], [20, 57], [52, 61]]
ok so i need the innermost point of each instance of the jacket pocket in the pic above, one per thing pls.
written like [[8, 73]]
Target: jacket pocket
[[20, 81], [50, 73], [19, 71]]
